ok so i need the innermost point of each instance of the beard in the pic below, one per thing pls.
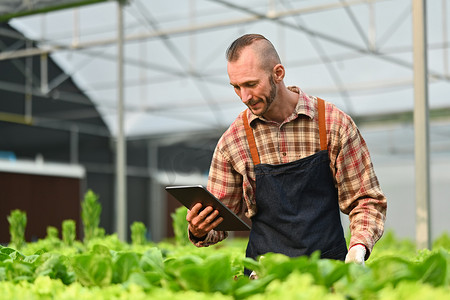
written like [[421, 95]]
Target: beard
[[268, 100]]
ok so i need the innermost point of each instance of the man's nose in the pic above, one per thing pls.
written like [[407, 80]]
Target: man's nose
[[245, 95]]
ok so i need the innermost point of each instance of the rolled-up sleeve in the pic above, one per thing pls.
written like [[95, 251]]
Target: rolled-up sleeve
[[226, 184], [360, 195]]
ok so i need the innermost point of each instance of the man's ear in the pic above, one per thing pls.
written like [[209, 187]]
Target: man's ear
[[278, 73]]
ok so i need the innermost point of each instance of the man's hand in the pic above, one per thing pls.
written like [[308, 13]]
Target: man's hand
[[356, 254], [202, 221]]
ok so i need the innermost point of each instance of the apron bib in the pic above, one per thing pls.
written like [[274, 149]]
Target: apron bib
[[297, 205]]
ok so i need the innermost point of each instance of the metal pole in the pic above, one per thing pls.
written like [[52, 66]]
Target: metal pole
[[445, 36], [74, 144], [44, 73], [121, 204], [28, 85], [421, 126], [158, 205]]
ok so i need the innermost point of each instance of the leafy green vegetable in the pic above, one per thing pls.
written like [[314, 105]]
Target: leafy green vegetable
[[17, 223], [215, 272], [54, 266], [434, 270], [210, 275], [138, 232], [68, 232], [180, 226], [296, 286], [52, 232], [125, 264], [106, 268], [90, 215], [93, 269], [152, 261], [442, 241]]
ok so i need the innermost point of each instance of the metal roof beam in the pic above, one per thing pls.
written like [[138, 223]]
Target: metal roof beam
[[36, 7], [375, 53], [179, 30]]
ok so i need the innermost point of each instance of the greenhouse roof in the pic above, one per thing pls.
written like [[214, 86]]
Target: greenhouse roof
[[356, 54]]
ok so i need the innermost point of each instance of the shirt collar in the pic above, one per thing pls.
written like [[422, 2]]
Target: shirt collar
[[305, 106]]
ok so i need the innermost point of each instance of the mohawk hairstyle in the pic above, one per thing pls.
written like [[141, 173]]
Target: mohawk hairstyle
[[264, 48]]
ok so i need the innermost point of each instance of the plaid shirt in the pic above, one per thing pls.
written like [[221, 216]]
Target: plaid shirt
[[232, 177]]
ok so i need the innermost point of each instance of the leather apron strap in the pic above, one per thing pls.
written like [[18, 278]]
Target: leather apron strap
[[251, 138], [322, 126]]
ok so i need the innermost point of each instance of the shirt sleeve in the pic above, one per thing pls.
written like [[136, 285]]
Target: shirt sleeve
[[360, 195], [226, 184]]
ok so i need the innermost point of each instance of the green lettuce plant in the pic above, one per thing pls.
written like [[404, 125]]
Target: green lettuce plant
[[180, 226], [68, 232], [90, 215], [17, 223], [138, 232], [52, 232]]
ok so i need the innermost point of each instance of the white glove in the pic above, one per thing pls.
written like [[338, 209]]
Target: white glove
[[253, 275], [356, 254]]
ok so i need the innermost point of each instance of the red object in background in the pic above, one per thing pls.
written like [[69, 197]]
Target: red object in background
[[47, 201]]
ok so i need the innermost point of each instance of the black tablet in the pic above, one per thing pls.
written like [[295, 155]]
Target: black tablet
[[193, 194]]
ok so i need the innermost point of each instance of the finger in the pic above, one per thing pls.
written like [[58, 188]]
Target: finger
[[200, 224], [205, 221], [214, 224], [193, 212], [212, 216], [196, 208], [205, 212], [200, 227]]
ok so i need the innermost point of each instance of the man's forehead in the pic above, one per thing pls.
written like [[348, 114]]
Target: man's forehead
[[246, 54], [247, 63], [242, 73]]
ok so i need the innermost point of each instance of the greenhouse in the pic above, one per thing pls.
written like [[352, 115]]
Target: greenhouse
[[105, 103]]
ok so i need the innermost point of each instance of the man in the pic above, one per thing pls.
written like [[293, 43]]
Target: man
[[289, 163]]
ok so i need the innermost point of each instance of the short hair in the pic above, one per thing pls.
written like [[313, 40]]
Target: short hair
[[266, 50]]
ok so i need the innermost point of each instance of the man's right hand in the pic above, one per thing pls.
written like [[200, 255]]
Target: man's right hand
[[202, 221]]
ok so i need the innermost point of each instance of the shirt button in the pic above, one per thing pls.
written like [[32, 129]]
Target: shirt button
[[284, 153]]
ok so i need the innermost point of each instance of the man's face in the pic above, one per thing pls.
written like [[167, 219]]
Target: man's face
[[252, 84]]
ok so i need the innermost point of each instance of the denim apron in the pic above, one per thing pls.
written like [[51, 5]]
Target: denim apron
[[297, 205]]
